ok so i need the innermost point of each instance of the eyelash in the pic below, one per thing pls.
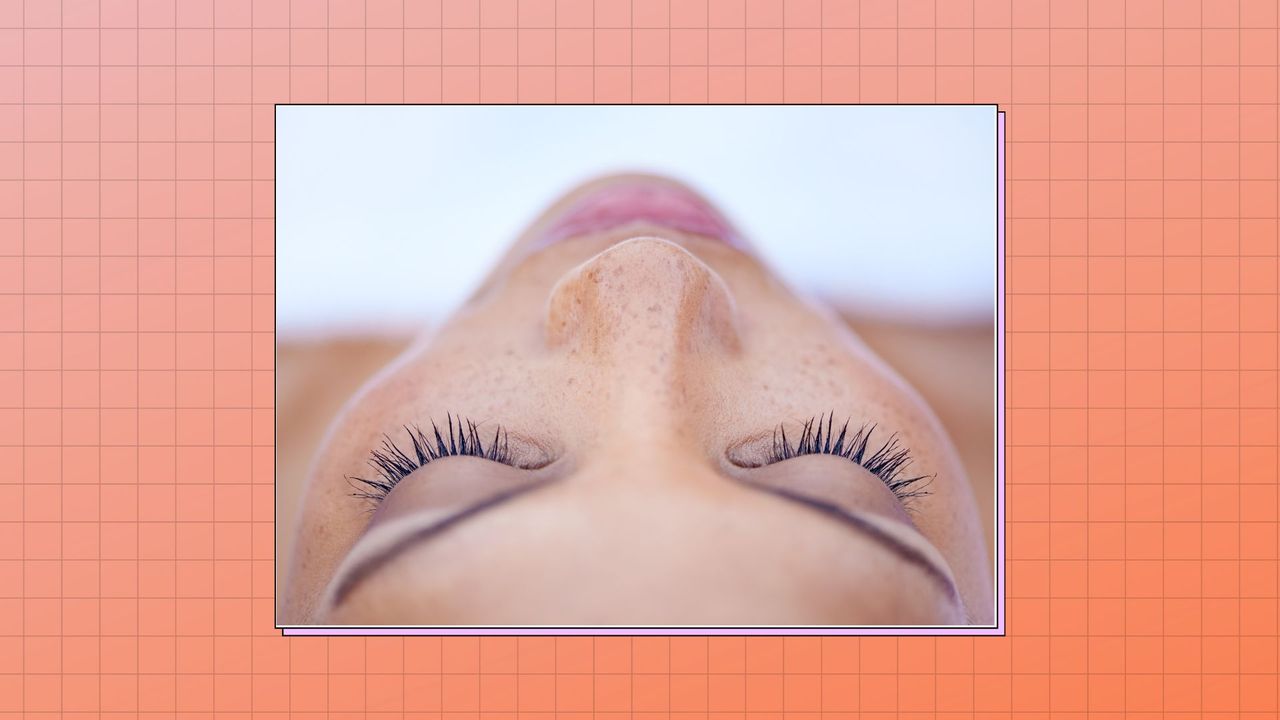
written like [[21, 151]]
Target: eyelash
[[462, 437], [889, 463]]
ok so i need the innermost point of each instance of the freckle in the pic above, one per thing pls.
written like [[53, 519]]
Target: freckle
[[570, 381], [654, 308]]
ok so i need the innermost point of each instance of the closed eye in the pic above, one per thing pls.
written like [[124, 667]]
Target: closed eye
[[888, 459], [459, 437]]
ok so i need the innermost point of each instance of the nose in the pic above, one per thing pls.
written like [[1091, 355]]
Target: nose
[[643, 325], [646, 306]]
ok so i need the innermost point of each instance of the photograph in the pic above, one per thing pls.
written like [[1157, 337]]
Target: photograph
[[723, 368]]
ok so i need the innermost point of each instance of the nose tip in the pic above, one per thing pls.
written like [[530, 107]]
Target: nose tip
[[644, 297]]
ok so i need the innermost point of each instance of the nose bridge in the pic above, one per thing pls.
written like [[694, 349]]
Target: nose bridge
[[645, 307]]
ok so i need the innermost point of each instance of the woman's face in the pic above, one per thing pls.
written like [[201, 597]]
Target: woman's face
[[618, 391]]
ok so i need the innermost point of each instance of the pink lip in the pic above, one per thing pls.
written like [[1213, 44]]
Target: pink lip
[[657, 203]]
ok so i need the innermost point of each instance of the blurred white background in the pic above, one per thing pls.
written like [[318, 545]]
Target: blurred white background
[[388, 216]]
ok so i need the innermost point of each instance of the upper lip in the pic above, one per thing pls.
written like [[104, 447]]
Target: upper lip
[[647, 200]]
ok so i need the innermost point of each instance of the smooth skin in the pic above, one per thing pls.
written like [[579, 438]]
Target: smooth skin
[[640, 373]]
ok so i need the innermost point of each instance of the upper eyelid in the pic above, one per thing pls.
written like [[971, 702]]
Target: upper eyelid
[[889, 460], [391, 463]]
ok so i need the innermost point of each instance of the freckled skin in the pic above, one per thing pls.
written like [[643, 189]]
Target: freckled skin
[[636, 358]]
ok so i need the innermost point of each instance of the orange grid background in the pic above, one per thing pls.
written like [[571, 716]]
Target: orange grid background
[[136, 349]]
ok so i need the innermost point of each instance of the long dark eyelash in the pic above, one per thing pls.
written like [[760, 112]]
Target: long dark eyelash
[[889, 463], [391, 464]]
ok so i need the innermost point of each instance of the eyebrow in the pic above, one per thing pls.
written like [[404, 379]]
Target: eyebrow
[[366, 567], [903, 550], [890, 541]]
